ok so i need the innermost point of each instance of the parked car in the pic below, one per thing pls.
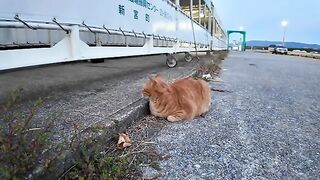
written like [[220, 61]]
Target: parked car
[[280, 50], [271, 48]]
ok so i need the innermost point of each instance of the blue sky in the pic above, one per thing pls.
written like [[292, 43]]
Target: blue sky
[[262, 19]]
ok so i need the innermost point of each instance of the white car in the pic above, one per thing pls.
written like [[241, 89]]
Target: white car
[[280, 50], [271, 48]]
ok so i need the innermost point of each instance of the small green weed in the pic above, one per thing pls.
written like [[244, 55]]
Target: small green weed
[[24, 145], [97, 165]]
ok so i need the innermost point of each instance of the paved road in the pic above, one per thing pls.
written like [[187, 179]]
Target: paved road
[[268, 127], [64, 77]]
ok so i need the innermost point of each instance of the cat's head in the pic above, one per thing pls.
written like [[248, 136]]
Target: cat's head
[[155, 87]]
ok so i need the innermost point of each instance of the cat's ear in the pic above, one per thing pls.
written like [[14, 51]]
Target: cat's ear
[[151, 78], [159, 77]]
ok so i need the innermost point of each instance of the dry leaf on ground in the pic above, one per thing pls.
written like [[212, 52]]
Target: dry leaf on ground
[[124, 141]]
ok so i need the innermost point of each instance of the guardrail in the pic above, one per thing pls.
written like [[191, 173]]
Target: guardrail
[[302, 54], [290, 53]]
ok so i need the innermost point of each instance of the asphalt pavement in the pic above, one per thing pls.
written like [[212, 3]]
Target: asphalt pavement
[[266, 126]]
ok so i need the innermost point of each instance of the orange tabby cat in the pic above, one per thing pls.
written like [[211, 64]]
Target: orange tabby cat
[[182, 99]]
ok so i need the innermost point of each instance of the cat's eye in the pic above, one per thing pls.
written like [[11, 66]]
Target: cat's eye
[[146, 93]]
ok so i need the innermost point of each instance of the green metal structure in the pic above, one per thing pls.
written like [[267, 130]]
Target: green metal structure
[[244, 34]]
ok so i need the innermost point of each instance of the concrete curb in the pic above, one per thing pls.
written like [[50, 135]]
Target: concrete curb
[[120, 121], [125, 118]]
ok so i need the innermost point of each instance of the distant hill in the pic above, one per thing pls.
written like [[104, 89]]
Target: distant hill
[[287, 44]]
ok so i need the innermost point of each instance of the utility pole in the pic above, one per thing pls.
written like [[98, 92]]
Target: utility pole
[[284, 24]]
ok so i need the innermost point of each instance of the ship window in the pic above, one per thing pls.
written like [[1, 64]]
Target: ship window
[[185, 6], [195, 10], [202, 13], [207, 17], [213, 25]]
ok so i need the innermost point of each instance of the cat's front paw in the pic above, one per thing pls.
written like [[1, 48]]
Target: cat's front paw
[[172, 119], [203, 115]]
